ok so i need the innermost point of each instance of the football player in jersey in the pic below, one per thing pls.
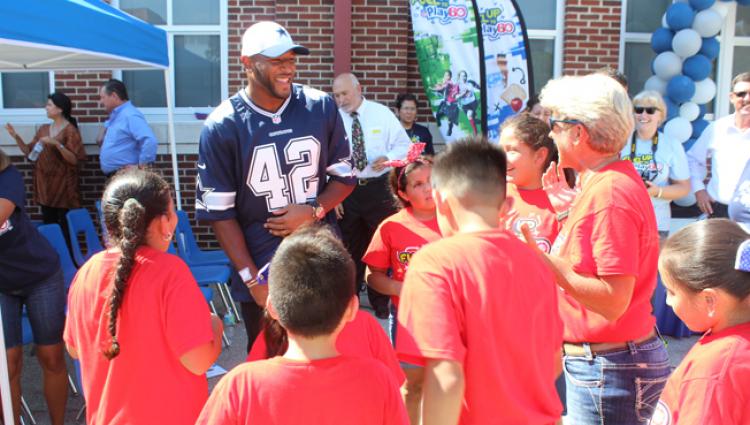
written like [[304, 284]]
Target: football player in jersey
[[272, 157]]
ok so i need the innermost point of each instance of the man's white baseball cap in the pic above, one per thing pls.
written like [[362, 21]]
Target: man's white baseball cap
[[269, 39]]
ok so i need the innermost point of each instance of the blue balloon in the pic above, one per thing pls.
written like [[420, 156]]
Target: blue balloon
[[701, 4], [710, 48], [698, 126], [743, 2], [673, 109], [689, 142], [661, 40], [680, 16], [701, 111], [697, 67], [680, 89]]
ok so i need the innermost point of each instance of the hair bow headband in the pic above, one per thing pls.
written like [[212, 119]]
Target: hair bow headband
[[742, 261], [414, 152]]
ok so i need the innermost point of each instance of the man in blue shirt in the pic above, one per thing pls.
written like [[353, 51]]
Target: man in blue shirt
[[126, 139], [271, 158]]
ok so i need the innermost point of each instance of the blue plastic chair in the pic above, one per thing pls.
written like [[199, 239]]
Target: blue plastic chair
[[206, 276], [102, 224], [188, 247], [195, 257], [54, 235], [79, 222]]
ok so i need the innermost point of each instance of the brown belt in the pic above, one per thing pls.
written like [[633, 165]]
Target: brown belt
[[580, 349]]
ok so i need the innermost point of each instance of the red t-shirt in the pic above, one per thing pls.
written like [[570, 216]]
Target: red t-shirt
[[395, 241], [533, 208], [486, 300], [711, 386], [611, 230], [163, 316], [362, 337], [339, 390]]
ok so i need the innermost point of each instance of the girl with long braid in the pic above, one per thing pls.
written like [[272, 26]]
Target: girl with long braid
[[137, 320]]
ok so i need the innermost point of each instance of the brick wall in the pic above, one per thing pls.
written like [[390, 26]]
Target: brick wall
[[383, 57], [592, 35]]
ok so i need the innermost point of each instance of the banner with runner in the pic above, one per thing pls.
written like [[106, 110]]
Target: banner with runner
[[474, 63]]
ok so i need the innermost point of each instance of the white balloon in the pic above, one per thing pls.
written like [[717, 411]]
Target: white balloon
[[667, 65], [720, 7], [686, 201], [689, 111], [679, 129], [656, 84], [705, 90], [707, 23], [686, 43]]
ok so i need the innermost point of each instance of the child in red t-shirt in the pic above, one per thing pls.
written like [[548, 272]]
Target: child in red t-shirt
[[312, 297], [395, 241], [362, 337], [530, 151], [479, 307], [706, 271], [137, 320]]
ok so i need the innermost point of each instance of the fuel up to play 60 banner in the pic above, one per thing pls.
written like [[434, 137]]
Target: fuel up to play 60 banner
[[473, 83]]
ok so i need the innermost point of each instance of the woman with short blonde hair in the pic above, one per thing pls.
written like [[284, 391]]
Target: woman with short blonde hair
[[604, 258]]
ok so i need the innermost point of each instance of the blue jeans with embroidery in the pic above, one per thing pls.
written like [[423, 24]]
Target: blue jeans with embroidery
[[616, 388]]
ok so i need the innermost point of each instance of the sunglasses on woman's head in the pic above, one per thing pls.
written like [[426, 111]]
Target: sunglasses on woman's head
[[648, 109]]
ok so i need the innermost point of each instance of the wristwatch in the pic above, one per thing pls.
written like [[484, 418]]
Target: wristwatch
[[319, 213]]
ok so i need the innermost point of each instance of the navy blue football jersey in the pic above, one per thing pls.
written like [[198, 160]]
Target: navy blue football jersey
[[252, 162]]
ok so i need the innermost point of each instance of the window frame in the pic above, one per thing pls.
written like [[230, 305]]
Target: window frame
[[186, 113], [727, 42], [25, 115], [556, 35]]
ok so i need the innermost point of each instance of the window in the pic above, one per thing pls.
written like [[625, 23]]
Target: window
[[19, 90], [198, 52], [736, 58], [544, 22], [643, 17]]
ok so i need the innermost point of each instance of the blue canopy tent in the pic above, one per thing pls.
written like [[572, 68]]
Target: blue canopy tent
[[44, 35]]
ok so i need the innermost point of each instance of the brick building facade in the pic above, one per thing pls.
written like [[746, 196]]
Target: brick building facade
[[581, 36]]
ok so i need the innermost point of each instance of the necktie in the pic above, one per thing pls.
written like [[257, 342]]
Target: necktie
[[358, 143]]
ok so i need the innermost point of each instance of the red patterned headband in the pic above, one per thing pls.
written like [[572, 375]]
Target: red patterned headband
[[412, 156]]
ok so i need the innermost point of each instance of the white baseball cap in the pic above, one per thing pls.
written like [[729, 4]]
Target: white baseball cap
[[269, 39]]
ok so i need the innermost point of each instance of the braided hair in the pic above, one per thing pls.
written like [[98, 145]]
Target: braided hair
[[131, 201]]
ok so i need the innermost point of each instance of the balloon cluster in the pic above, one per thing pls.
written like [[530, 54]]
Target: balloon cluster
[[686, 46]]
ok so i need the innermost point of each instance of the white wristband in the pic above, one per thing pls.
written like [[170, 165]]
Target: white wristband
[[245, 274]]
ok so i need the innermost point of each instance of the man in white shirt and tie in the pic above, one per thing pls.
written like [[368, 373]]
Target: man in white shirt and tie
[[375, 136]]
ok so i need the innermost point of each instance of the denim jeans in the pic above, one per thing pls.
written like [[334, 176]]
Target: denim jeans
[[616, 388], [45, 306]]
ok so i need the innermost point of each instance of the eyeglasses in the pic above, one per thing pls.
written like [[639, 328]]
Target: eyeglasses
[[741, 94], [553, 121], [648, 109]]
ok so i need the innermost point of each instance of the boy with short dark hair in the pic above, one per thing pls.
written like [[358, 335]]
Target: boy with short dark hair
[[480, 306], [312, 296]]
